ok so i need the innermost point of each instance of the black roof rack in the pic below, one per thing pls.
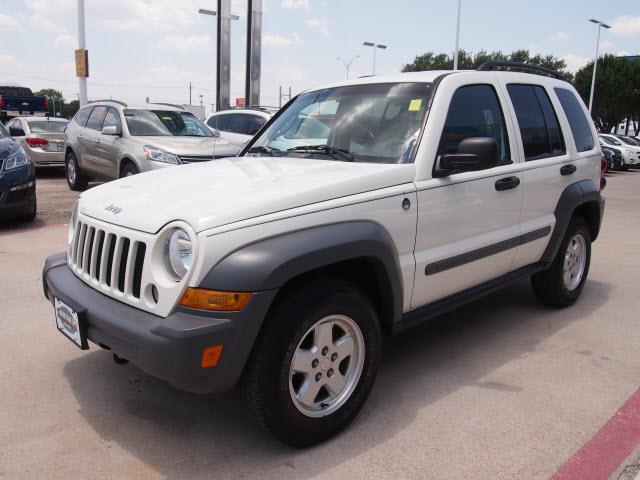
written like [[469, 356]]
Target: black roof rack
[[495, 65]]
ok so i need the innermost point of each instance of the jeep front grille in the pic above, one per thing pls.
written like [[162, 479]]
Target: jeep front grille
[[115, 262]]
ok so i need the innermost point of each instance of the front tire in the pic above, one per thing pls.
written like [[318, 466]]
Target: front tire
[[76, 180], [314, 364], [129, 170], [561, 284]]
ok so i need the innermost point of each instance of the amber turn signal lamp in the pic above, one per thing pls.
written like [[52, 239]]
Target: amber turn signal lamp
[[204, 299], [211, 355]]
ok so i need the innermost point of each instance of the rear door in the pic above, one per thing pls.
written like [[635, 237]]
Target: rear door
[[467, 229], [92, 138], [554, 159]]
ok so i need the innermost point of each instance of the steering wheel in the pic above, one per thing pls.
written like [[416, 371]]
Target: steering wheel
[[362, 134]]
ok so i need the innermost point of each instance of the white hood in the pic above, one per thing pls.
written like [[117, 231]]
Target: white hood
[[219, 192]]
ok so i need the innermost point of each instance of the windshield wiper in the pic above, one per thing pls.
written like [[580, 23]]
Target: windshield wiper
[[261, 149], [326, 149]]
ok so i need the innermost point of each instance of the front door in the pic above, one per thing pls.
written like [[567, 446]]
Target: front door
[[467, 230]]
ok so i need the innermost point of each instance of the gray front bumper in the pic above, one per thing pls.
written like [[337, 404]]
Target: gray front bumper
[[168, 348]]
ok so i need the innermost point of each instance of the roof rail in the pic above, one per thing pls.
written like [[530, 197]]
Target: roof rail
[[119, 102], [168, 105], [495, 65]]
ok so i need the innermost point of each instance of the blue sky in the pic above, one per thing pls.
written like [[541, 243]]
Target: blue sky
[[153, 48]]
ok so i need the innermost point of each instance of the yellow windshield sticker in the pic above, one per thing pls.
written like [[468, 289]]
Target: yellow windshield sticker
[[415, 104]]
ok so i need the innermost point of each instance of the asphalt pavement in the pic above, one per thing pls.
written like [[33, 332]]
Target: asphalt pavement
[[501, 388]]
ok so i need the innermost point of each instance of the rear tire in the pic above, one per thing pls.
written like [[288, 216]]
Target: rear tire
[[76, 180], [561, 284], [323, 338]]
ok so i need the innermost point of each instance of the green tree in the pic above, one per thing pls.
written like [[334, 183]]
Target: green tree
[[617, 90], [50, 93], [70, 109], [471, 61]]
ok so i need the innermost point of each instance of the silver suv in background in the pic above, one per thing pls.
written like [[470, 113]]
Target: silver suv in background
[[238, 126], [111, 139]]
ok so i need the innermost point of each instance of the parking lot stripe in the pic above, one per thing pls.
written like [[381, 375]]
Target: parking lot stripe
[[605, 452]]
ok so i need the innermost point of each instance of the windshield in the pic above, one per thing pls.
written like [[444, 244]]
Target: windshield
[[610, 141], [362, 123], [165, 123], [47, 127]]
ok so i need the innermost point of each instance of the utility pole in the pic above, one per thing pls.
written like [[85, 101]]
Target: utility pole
[[190, 88], [346, 64], [201, 104], [81, 53]]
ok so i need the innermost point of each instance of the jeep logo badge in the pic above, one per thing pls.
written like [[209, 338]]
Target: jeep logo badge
[[113, 209]]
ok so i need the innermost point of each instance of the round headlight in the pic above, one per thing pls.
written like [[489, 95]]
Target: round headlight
[[72, 223], [180, 252]]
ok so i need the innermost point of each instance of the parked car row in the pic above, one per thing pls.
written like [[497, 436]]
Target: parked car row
[[624, 151]]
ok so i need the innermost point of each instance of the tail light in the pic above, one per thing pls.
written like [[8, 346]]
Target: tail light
[[603, 168], [1, 103], [36, 142], [46, 104]]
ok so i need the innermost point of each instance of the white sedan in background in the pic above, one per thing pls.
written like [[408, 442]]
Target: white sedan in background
[[238, 126], [630, 153]]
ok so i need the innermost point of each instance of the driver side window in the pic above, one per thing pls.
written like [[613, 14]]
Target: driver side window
[[475, 112]]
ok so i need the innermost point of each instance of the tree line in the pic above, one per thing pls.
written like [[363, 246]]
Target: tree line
[[617, 93]]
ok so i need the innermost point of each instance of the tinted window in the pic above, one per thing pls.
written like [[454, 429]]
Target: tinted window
[[580, 127], [255, 124], [222, 121], [96, 118], [475, 112], [541, 135], [165, 123], [610, 141], [44, 126], [628, 141], [112, 119], [82, 115], [239, 123], [16, 92], [213, 121]]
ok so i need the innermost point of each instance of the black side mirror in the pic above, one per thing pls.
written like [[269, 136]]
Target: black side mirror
[[16, 132], [474, 153]]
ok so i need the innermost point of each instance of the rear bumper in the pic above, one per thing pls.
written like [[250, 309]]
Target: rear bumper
[[41, 158], [167, 348]]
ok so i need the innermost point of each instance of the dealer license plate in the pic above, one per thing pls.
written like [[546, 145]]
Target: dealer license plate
[[70, 323]]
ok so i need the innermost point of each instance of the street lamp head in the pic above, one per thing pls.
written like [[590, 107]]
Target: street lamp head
[[605, 25], [204, 11], [382, 47], [368, 44]]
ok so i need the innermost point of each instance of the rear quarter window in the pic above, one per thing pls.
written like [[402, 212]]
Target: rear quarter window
[[580, 127]]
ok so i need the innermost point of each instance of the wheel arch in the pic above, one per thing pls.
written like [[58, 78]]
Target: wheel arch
[[359, 251], [581, 198], [126, 161]]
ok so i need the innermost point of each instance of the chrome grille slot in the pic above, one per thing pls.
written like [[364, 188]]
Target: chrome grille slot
[[111, 262]]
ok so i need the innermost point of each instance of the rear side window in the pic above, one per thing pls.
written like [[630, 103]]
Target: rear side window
[[96, 118], [221, 121], [475, 112], [82, 115], [580, 127], [255, 124], [239, 123], [539, 128]]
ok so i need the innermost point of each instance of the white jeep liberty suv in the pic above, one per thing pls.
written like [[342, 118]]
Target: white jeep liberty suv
[[360, 209]]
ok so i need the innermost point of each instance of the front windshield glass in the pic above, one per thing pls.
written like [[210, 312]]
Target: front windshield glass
[[165, 123], [377, 123], [628, 141], [610, 141], [44, 126]]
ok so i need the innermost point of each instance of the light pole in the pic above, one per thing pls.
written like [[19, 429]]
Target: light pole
[[223, 54], [595, 59], [346, 64], [374, 46], [455, 52]]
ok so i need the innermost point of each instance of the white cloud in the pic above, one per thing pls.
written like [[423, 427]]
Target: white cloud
[[320, 24], [9, 24], [186, 43], [607, 45], [626, 26], [575, 62], [623, 53], [64, 40], [275, 40], [561, 36], [161, 15], [296, 4]]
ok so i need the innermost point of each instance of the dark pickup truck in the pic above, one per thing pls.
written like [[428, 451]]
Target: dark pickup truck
[[20, 101]]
